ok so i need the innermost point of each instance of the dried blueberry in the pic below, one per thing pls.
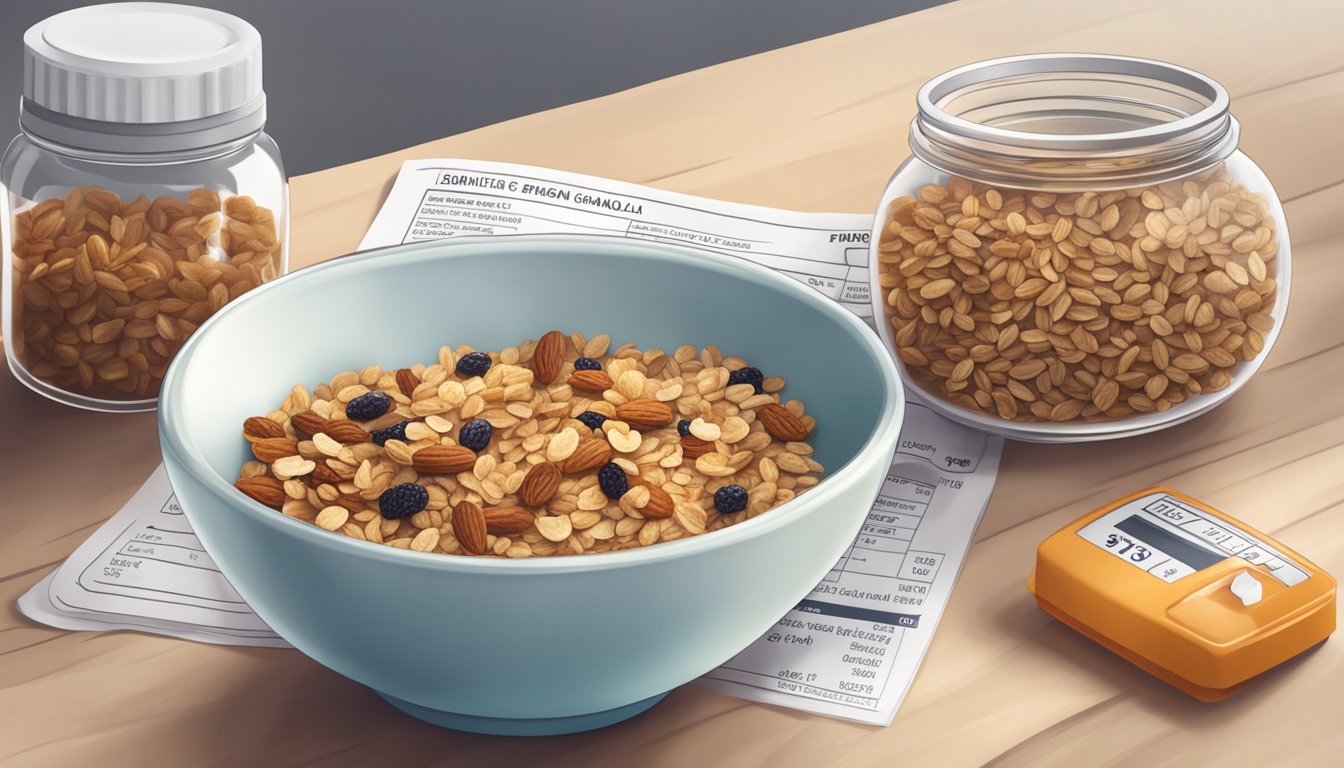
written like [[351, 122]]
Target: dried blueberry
[[402, 500], [395, 432], [592, 419], [369, 405], [475, 434], [730, 499], [748, 375], [684, 427], [587, 364], [613, 480], [473, 364]]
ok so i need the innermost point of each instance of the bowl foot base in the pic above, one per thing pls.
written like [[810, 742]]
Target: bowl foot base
[[523, 726]]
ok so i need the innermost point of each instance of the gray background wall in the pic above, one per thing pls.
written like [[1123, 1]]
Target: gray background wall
[[349, 79]]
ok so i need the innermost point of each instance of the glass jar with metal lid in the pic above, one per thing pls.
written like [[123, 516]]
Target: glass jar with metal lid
[[140, 196], [1076, 249]]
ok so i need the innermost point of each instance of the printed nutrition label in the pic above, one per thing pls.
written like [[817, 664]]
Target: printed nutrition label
[[434, 199], [851, 648], [145, 569]]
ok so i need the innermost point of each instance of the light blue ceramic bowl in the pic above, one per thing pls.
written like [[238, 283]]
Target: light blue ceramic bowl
[[539, 646]]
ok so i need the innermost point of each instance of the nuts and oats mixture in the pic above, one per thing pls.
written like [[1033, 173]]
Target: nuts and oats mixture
[[1078, 307], [553, 447], [106, 291]]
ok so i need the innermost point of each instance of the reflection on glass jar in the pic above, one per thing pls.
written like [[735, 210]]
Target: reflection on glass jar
[[1077, 240]]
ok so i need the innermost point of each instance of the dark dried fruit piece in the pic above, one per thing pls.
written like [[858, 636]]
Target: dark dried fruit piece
[[748, 375], [593, 420], [395, 432], [369, 405], [475, 434], [402, 500], [730, 499], [473, 364], [613, 481]]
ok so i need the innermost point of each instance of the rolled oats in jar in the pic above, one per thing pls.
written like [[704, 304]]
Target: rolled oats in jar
[[140, 197]]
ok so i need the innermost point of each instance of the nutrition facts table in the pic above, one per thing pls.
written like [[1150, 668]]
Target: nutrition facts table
[[851, 648], [145, 569], [883, 545], [433, 199]]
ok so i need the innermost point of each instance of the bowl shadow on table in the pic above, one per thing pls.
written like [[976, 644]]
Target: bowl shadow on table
[[309, 713]]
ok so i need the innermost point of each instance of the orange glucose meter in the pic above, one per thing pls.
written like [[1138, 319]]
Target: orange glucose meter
[[1182, 591]]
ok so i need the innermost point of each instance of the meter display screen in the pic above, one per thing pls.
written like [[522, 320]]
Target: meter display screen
[[1181, 550], [1170, 538]]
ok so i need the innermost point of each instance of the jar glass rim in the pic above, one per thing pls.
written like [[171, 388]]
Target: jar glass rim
[[987, 72]]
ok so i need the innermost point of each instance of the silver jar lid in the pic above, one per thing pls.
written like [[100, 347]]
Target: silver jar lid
[[1071, 119]]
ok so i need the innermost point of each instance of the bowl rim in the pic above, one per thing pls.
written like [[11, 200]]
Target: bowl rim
[[887, 428], [1050, 432]]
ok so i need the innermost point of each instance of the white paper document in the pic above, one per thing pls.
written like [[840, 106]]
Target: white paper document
[[850, 649], [144, 569]]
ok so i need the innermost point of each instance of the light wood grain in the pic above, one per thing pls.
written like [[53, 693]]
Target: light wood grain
[[817, 126]]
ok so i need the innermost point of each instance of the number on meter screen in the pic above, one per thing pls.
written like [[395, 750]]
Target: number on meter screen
[[1126, 546]]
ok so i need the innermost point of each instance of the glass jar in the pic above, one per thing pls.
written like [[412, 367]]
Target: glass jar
[[141, 196], [1076, 248]]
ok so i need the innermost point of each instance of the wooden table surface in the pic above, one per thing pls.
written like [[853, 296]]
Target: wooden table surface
[[818, 126]]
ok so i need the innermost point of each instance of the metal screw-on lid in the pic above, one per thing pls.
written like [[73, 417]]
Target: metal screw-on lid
[[142, 63], [1067, 121]]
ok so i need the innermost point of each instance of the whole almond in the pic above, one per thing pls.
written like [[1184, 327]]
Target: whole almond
[[407, 381], [264, 489], [549, 356], [540, 484], [324, 474], [590, 381], [693, 447], [346, 431], [469, 527], [443, 460], [592, 453], [307, 424], [660, 503], [268, 449], [644, 412], [781, 423], [259, 427], [352, 502], [506, 521]]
